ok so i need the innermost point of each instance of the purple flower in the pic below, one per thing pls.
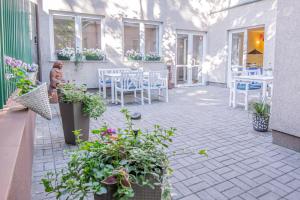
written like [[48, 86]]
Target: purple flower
[[8, 60], [18, 63]]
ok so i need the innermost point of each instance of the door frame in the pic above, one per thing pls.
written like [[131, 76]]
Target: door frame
[[189, 65]]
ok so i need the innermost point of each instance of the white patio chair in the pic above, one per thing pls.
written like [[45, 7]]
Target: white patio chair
[[104, 82], [245, 88], [129, 82], [156, 80]]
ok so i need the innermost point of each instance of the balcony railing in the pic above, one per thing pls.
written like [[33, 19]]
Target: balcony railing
[[14, 40]]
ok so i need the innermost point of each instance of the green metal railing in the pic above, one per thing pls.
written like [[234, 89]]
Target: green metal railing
[[14, 40]]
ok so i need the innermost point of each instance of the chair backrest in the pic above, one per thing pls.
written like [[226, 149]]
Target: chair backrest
[[102, 72], [158, 78], [131, 80], [253, 71]]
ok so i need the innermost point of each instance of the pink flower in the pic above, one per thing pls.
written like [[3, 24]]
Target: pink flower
[[7, 60]]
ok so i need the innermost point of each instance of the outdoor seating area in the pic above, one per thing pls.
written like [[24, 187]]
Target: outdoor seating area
[[123, 80]]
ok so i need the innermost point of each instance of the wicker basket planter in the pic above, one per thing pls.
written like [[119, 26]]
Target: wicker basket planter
[[73, 119], [140, 193], [37, 100], [260, 123]]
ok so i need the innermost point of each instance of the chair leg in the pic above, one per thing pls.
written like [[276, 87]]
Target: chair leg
[[246, 100], [100, 90], [104, 91], [167, 95], [159, 93], [134, 95], [142, 96], [149, 96], [122, 98], [230, 97]]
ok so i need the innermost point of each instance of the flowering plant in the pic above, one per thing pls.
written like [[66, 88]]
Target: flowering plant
[[65, 53], [19, 74], [93, 54], [133, 55], [152, 57], [119, 159]]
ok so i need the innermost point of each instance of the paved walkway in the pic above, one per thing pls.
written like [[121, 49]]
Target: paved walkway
[[242, 163]]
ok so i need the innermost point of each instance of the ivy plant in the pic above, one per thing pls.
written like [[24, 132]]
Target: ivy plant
[[117, 159]]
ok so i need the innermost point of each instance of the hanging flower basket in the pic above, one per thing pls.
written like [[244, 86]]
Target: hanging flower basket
[[37, 100]]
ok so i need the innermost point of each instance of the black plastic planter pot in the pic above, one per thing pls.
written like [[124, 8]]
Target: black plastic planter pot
[[140, 193], [73, 119], [260, 123]]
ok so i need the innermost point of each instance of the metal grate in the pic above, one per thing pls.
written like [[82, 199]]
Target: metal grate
[[14, 40]]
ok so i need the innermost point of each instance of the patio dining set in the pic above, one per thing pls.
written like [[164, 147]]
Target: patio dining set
[[122, 81], [250, 82]]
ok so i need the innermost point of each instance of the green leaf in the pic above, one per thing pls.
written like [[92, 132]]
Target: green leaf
[[203, 152]]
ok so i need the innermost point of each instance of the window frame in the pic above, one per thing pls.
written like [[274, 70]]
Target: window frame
[[78, 29], [142, 24]]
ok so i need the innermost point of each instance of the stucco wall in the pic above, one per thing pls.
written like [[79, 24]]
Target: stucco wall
[[173, 14], [261, 13], [286, 98]]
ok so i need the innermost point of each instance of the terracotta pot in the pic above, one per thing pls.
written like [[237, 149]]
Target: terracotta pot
[[140, 193], [73, 119]]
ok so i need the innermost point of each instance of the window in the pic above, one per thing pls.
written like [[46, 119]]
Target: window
[[131, 37], [64, 32], [76, 32], [91, 33], [151, 39], [143, 38]]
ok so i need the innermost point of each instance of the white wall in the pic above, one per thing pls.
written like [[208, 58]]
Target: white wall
[[286, 98], [261, 13], [190, 15]]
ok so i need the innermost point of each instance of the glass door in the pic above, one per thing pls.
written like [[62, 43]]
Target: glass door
[[237, 53], [189, 58]]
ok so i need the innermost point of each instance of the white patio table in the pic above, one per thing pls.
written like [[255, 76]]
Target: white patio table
[[264, 80], [113, 77]]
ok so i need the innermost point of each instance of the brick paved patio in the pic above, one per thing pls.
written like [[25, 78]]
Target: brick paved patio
[[242, 163]]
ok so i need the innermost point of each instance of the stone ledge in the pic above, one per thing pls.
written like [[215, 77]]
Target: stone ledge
[[16, 153], [286, 140]]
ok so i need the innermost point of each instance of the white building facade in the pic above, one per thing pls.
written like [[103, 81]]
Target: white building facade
[[195, 37]]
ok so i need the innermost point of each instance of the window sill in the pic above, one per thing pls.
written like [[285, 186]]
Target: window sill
[[84, 61], [142, 61]]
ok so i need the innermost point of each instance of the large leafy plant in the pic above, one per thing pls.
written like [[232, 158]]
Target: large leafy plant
[[117, 158], [93, 105]]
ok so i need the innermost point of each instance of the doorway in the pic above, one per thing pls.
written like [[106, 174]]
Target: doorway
[[189, 58], [246, 50]]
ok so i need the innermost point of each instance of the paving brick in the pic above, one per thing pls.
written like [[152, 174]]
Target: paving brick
[[293, 196], [224, 186], [269, 196], [199, 186], [258, 191], [233, 192]]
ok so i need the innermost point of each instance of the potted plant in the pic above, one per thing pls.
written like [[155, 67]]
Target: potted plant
[[94, 54], [30, 95], [122, 164], [76, 108], [65, 53], [152, 57], [133, 55], [260, 116]]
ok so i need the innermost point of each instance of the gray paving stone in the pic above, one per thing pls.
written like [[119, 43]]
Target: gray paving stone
[[293, 196], [240, 159], [258, 191]]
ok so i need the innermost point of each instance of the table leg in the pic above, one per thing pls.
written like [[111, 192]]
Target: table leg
[[112, 90], [264, 92], [234, 95]]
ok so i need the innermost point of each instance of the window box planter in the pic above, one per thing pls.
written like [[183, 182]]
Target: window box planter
[[140, 192], [60, 57], [94, 57], [158, 58], [133, 58], [74, 119]]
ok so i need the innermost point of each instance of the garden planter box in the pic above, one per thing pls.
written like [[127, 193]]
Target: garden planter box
[[94, 58], [260, 123], [73, 119], [140, 193], [63, 57]]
